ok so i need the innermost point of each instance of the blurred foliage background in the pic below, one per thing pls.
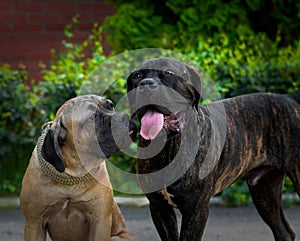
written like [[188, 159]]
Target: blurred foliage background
[[245, 46]]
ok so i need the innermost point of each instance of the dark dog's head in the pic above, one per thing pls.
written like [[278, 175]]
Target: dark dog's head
[[82, 135], [160, 91]]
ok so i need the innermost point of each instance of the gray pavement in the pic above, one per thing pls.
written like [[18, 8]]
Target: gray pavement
[[224, 224]]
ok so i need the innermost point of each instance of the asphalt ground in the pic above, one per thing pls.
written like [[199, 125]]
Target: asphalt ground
[[224, 224]]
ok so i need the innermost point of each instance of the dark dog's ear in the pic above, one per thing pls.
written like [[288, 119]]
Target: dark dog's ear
[[196, 82], [51, 147]]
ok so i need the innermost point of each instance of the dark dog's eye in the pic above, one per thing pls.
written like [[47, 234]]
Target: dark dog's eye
[[137, 75], [169, 72]]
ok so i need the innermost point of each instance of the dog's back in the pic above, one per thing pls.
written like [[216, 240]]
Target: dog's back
[[295, 96]]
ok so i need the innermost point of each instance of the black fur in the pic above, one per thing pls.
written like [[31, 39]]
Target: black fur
[[261, 143], [49, 153]]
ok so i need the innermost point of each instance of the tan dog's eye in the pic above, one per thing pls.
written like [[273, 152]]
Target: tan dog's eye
[[110, 105]]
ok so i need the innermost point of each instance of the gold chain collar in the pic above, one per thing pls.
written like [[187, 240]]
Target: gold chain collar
[[49, 169]]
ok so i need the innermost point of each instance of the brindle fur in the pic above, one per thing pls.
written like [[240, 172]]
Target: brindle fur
[[262, 144]]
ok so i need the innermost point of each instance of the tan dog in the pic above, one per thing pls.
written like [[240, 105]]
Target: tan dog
[[66, 189]]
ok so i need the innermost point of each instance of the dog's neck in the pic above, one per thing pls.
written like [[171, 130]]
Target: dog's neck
[[185, 148], [51, 172]]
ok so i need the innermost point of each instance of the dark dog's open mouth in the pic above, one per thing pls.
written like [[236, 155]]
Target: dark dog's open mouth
[[152, 122]]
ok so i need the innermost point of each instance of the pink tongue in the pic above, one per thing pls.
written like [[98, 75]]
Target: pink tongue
[[151, 124]]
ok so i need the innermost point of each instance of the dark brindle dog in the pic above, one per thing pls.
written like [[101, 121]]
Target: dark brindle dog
[[260, 140]]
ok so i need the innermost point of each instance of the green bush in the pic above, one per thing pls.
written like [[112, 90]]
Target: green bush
[[252, 64], [23, 111], [237, 194], [69, 69], [71, 73], [180, 23], [134, 29], [17, 128]]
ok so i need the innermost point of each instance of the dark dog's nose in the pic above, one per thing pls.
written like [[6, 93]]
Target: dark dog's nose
[[150, 83]]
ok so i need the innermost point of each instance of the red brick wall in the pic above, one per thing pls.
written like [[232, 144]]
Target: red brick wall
[[29, 29]]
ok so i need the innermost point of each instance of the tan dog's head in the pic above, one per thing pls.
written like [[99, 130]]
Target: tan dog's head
[[82, 135]]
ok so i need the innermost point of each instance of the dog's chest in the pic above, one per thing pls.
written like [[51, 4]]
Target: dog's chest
[[168, 197], [66, 220]]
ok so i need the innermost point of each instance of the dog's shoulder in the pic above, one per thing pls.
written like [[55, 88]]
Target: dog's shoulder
[[295, 96]]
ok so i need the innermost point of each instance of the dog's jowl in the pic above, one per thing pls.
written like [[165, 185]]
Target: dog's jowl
[[66, 189], [206, 148]]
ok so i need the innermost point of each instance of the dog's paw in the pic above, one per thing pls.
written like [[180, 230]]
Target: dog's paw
[[116, 238]]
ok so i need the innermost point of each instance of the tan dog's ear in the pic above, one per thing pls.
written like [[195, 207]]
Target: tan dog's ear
[[51, 147]]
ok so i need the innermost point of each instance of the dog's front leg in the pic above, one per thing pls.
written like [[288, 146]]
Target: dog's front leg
[[101, 230], [119, 231], [34, 231], [194, 217], [164, 218]]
